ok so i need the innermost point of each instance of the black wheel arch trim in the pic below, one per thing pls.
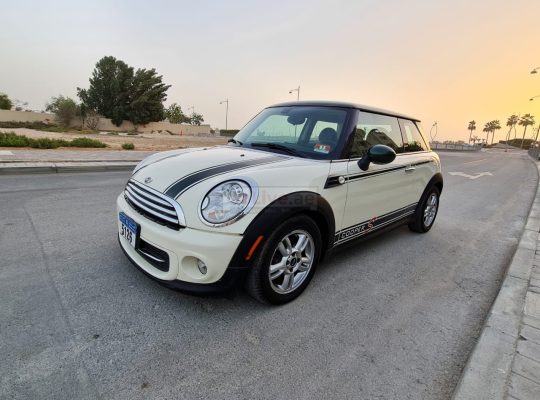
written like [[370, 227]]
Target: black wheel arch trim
[[304, 202], [436, 180]]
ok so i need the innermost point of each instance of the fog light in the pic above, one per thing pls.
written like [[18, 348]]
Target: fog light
[[202, 267]]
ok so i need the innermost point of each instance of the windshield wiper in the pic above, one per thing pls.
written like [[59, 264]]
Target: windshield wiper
[[277, 146], [237, 142]]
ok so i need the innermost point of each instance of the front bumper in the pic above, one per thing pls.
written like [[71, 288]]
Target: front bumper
[[183, 248]]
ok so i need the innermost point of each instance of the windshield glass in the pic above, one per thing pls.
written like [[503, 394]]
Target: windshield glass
[[305, 131]]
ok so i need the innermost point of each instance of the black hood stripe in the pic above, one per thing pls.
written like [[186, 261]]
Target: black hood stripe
[[188, 181]]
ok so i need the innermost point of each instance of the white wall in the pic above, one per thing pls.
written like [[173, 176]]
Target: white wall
[[105, 124]]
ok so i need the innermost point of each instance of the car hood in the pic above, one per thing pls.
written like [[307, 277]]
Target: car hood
[[174, 172]]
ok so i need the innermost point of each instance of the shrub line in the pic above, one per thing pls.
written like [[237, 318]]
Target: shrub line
[[11, 139]]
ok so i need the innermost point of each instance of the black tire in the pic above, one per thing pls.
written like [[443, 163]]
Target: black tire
[[419, 223], [259, 283]]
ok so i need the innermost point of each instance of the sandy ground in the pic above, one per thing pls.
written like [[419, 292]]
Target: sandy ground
[[147, 141]]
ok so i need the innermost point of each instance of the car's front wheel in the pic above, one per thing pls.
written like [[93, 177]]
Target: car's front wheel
[[286, 262]]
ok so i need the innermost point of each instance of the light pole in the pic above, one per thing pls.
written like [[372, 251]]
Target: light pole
[[297, 90], [433, 126], [226, 111], [535, 71], [534, 97]]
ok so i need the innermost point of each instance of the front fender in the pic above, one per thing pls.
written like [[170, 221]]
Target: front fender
[[309, 203]]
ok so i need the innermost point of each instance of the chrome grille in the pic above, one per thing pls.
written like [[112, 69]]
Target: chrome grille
[[154, 205]]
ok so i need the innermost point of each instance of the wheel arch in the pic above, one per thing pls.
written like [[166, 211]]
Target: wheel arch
[[437, 181], [303, 202]]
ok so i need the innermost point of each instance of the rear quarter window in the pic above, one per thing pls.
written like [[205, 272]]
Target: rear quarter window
[[414, 141]]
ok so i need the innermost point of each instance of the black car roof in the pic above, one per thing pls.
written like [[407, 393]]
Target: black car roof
[[342, 104]]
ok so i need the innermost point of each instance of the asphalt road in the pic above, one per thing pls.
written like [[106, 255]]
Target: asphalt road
[[393, 318]]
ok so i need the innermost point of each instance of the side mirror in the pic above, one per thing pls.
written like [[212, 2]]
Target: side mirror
[[378, 154]]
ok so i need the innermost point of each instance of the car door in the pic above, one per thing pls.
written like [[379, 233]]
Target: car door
[[382, 194], [418, 156]]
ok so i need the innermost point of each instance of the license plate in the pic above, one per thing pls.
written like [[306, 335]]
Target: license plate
[[128, 228]]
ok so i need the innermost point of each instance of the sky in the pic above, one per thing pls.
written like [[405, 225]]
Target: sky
[[437, 60]]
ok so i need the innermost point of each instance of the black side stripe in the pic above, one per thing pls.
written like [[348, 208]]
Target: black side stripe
[[332, 181], [422, 162], [373, 224], [188, 181], [378, 172]]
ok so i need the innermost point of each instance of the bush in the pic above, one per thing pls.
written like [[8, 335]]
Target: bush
[[128, 146], [11, 139], [46, 143], [86, 142], [64, 108]]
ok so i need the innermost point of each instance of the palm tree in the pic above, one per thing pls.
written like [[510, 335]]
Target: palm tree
[[472, 127], [511, 122], [495, 125], [537, 132], [525, 121], [487, 129]]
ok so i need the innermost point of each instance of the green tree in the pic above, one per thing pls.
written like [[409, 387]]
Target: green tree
[[5, 102], [119, 93], [196, 119], [109, 89], [525, 121], [175, 115], [471, 128], [147, 94], [64, 109]]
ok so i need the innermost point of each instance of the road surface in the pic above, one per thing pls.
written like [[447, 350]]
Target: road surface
[[392, 318]]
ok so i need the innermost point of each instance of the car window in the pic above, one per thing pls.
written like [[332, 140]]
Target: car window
[[372, 129], [415, 141], [306, 131], [276, 127]]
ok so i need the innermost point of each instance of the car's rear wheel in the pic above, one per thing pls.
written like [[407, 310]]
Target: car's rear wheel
[[286, 262], [426, 212]]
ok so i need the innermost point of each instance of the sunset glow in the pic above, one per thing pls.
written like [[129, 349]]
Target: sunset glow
[[449, 62]]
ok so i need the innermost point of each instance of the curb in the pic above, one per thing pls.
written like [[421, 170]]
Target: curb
[[488, 368], [14, 168]]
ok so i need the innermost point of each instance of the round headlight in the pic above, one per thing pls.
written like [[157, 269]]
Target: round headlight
[[225, 202]]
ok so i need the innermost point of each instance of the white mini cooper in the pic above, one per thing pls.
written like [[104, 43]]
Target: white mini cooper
[[297, 181]]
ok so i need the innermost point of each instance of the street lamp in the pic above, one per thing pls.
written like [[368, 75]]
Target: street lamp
[[297, 90], [433, 126], [534, 97], [535, 71], [226, 111]]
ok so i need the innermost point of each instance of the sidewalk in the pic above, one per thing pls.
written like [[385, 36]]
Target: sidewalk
[[15, 161], [505, 363]]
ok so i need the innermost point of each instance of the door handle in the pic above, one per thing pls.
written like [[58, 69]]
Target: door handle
[[410, 169]]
